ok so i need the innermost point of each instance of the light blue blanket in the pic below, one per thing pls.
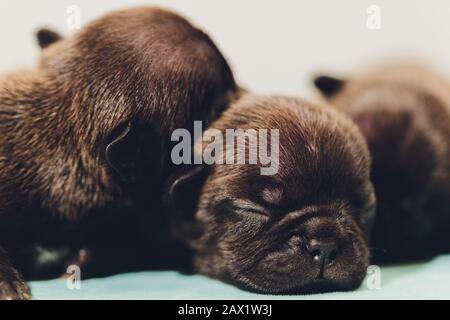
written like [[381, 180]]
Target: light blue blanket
[[425, 280]]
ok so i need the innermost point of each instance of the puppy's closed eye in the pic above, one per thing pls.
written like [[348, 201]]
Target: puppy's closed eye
[[244, 206]]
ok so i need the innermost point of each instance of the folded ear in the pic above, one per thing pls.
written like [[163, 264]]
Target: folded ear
[[328, 86], [46, 37], [184, 190], [132, 151], [181, 199]]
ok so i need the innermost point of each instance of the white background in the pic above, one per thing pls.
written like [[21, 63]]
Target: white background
[[272, 46]]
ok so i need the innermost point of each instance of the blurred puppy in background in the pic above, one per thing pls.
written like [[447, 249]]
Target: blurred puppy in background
[[404, 113], [85, 136], [302, 229]]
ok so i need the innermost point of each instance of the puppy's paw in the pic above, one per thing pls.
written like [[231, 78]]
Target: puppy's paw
[[14, 290]]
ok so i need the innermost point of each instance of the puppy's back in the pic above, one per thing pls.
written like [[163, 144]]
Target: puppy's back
[[404, 113]]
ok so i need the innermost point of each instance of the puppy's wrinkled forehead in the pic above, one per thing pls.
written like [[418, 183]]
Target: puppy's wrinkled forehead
[[321, 153]]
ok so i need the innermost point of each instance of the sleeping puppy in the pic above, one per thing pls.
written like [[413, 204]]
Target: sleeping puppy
[[303, 228], [404, 113], [87, 133]]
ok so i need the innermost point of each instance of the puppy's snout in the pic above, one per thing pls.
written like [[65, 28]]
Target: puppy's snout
[[322, 252], [322, 238]]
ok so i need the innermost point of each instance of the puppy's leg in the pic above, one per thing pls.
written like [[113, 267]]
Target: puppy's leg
[[12, 286]]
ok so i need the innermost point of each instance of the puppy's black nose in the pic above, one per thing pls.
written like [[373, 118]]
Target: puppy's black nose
[[323, 252]]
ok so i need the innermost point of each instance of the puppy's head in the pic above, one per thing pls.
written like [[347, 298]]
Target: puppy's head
[[404, 113], [301, 229], [128, 79]]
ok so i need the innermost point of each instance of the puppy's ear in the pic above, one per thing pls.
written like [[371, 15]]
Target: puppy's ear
[[46, 37], [181, 199], [132, 150], [184, 190], [328, 86]]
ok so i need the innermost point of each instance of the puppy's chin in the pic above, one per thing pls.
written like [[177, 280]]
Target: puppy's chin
[[346, 276], [313, 286], [299, 286]]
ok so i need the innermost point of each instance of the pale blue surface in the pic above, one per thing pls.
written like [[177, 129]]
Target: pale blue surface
[[427, 280]]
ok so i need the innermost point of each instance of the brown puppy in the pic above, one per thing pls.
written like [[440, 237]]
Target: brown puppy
[[404, 113], [89, 129], [299, 230]]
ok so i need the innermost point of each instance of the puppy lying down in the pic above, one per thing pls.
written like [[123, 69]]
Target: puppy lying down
[[304, 228], [85, 136], [404, 113]]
